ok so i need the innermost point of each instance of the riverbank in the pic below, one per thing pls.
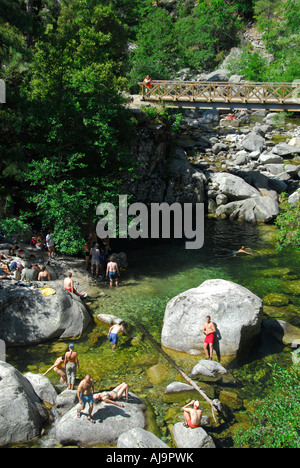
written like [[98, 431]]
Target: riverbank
[[157, 273]]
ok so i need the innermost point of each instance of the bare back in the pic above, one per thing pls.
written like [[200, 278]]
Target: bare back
[[71, 357], [196, 416], [68, 283]]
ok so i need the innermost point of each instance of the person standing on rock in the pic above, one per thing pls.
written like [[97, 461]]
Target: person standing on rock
[[85, 394], [192, 416], [50, 244], [95, 260], [71, 363], [209, 330]]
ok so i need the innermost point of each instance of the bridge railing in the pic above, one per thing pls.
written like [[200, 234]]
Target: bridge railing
[[201, 91]]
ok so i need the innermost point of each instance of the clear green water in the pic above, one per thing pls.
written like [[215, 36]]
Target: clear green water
[[155, 274]]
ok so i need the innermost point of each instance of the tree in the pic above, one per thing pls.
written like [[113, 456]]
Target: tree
[[74, 130], [156, 53], [210, 29]]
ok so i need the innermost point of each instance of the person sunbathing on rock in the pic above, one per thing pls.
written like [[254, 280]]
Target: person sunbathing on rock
[[112, 396]]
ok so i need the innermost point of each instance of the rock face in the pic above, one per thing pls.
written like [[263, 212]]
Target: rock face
[[218, 161], [26, 316], [233, 187], [235, 311], [111, 422], [22, 414], [191, 438], [208, 369], [42, 387], [139, 438], [253, 210]]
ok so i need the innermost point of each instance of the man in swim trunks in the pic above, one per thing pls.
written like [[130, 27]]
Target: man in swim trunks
[[209, 330], [192, 416], [114, 331], [85, 394], [112, 272]]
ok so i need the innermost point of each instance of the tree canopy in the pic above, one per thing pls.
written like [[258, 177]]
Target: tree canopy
[[66, 133]]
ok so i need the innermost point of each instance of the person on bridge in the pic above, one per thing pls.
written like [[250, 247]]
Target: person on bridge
[[148, 81]]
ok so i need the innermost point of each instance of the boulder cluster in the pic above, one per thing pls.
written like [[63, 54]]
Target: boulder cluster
[[237, 166]]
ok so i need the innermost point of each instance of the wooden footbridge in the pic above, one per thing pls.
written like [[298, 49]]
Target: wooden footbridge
[[221, 95]]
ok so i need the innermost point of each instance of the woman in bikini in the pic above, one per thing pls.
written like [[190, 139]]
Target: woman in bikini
[[57, 367], [112, 396]]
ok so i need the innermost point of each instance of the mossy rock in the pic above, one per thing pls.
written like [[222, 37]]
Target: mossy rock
[[147, 360], [173, 414], [59, 348], [231, 399], [292, 287], [277, 272], [157, 374], [277, 300]]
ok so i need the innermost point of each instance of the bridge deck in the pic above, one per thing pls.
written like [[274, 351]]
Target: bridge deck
[[279, 96]]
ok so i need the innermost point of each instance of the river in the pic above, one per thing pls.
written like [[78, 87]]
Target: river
[[157, 271]]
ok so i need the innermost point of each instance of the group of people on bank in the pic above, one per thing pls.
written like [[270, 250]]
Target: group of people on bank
[[19, 270], [99, 260]]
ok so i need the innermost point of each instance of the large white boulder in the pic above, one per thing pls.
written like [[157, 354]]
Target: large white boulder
[[29, 317], [235, 311], [234, 187], [139, 438], [22, 413], [191, 438], [110, 423]]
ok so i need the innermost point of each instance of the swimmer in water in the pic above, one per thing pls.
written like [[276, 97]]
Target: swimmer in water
[[242, 250]]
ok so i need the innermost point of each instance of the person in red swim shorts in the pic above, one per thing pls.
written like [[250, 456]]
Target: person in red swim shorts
[[192, 416], [69, 286], [209, 330]]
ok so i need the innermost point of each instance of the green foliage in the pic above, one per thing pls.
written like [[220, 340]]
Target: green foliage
[[157, 53], [276, 418], [211, 28], [164, 45], [288, 224], [160, 114], [250, 64], [15, 227], [280, 24], [66, 148]]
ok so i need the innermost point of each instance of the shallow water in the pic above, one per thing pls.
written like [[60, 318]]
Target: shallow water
[[156, 273]]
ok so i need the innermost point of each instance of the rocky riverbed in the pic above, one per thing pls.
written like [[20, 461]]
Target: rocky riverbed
[[238, 167]]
